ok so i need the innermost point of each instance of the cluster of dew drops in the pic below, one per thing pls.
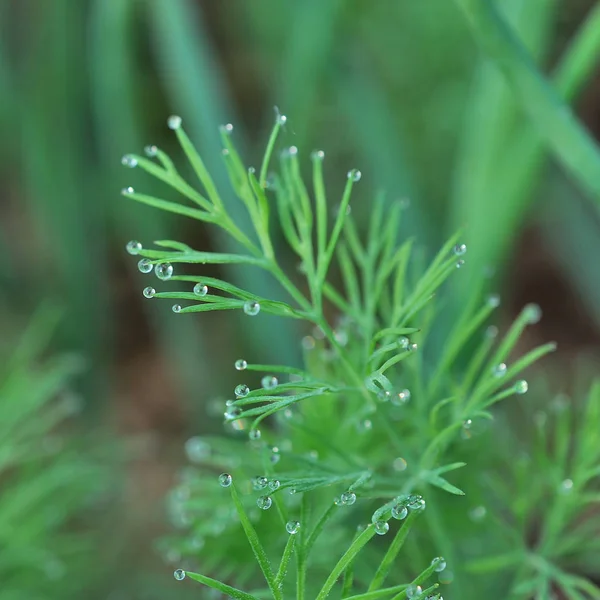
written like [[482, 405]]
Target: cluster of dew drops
[[164, 271]]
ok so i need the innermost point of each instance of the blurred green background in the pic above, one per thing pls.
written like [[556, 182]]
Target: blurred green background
[[397, 88]]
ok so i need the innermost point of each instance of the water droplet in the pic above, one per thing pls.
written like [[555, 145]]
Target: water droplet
[[274, 484], [164, 271], [127, 191], [151, 151], [129, 161], [254, 434], [460, 263], [381, 527], [200, 289], [269, 382], [477, 513], [400, 464], [521, 387], [174, 122], [401, 398], [176, 308], [259, 482], [415, 502], [384, 395], [493, 300], [399, 511], [145, 266], [197, 449], [440, 564], [348, 498], [533, 313], [149, 292], [291, 151], [467, 424], [499, 370], [412, 591], [232, 412], [241, 364], [491, 332], [133, 247], [251, 308], [354, 175], [308, 342], [226, 129], [264, 502], [292, 527], [459, 249], [275, 456], [281, 119], [413, 347], [225, 479], [241, 390], [318, 155], [292, 491], [179, 574], [364, 426], [566, 487], [403, 342]]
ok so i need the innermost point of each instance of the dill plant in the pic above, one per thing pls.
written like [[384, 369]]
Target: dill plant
[[346, 474], [47, 481]]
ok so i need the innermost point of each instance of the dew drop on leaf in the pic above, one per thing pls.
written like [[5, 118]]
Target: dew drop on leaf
[[533, 313], [399, 511], [241, 364], [460, 249], [381, 527], [149, 292], [264, 502], [292, 527], [145, 266], [176, 308], [133, 247], [439, 564], [174, 122], [521, 387], [164, 271], [354, 175], [259, 482], [225, 479], [129, 161], [412, 591], [200, 289], [499, 370], [400, 464], [241, 390], [251, 308], [348, 498], [268, 382], [179, 574]]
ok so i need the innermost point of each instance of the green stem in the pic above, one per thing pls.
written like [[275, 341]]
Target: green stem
[[345, 560]]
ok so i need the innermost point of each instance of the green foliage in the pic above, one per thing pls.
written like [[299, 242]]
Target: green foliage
[[46, 480], [371, 423]]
